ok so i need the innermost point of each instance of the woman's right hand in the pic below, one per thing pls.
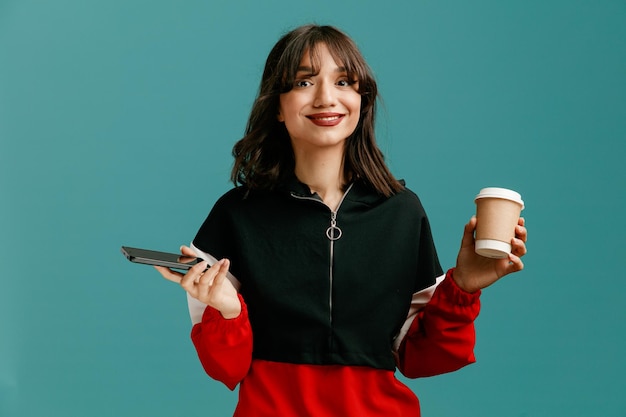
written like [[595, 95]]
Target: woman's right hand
[[209, 286]]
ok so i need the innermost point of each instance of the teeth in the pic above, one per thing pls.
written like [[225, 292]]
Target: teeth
[[327, 118]]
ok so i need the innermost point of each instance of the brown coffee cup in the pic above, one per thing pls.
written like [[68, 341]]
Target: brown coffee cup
[[497, 213]]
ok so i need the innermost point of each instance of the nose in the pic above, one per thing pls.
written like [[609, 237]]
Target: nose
[[325, 95]]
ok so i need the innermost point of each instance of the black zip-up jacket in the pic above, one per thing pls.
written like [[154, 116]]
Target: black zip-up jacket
[[323, 287]]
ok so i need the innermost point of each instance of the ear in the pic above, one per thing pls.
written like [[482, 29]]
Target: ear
[[280, 117]]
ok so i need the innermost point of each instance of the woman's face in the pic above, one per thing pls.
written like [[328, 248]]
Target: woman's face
[[322, 109]]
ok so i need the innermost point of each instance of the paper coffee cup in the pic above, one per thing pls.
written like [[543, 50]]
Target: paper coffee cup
[[497, 213]]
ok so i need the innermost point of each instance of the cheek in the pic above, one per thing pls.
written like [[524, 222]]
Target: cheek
[[355, 108], [355, 104], [285, 108], [282, 105], [280, 114]]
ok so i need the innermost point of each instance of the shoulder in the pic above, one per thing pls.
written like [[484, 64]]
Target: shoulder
[[407, 197], [403, 203], [241, 200], [232, 196], [226, 204]]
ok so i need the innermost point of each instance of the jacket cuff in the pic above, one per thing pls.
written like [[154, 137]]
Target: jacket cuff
[[212, 315], [456, 294]]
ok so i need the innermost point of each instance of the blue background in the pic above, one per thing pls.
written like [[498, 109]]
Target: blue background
[[116, 123]]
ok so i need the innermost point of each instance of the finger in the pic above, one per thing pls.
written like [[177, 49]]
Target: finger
[[518, 247], [210, 283], [193, 275], [206, 280], [187, 251], [216, 274], [222, 272], [189, 255], [521, 233], [515, 264], [168, 274], [208, 276]]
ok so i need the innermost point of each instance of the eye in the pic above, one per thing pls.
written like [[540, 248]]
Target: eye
[[302, 83], [345, 82]]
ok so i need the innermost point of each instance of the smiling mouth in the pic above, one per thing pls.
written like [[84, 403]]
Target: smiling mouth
[[326, 119]]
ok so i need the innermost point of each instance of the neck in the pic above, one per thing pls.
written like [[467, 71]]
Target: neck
[[323, 173]]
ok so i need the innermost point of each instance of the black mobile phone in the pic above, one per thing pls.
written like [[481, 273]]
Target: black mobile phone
[[151, 257]]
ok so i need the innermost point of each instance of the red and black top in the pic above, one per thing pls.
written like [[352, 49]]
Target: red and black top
[[332, 303]]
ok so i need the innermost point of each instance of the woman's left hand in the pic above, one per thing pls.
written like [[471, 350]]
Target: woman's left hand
[[474, 272]]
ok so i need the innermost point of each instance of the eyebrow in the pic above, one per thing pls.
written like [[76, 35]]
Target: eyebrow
[[309, 70]]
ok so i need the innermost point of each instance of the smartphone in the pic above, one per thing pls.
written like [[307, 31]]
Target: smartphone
[[151, 257]]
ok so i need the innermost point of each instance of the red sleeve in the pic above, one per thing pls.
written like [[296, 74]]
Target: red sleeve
[[224, 346], [441, 338]]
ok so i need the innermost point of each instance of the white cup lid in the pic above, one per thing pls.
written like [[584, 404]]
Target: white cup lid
[[490, 248], [504, 193]]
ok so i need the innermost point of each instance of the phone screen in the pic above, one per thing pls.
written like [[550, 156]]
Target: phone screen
[[151, 257]]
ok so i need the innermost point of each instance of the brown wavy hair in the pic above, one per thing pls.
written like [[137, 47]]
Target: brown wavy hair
[[264, 156]]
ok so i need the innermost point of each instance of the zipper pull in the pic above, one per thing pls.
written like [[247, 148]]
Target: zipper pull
[[333, 232]]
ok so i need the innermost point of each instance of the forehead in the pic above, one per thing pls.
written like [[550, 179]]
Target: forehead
[[317, 56]]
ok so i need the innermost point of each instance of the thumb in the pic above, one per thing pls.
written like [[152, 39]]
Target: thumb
[[223, 266], [468, 233], [187, 251]]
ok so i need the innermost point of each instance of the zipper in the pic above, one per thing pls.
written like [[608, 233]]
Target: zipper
[[333, 233]]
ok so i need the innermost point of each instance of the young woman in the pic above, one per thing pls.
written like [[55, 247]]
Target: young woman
[[327, 279]]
